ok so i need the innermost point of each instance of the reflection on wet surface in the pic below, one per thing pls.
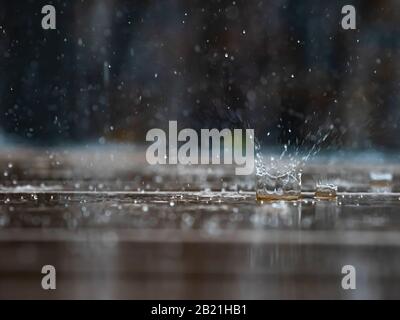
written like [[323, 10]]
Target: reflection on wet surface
[[118, 229], [206, 211]]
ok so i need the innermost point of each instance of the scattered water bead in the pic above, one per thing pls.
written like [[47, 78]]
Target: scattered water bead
[[325, 191]]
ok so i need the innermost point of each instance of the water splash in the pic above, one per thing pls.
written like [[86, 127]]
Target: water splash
[[325, 191], [278, 175]]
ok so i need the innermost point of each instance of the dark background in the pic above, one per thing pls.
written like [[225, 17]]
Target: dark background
[[114, 69]]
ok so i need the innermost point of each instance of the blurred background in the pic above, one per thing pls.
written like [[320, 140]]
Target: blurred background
[[113, 69], [116, 227]]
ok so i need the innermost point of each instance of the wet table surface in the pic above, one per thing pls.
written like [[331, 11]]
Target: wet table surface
[[115, 227]]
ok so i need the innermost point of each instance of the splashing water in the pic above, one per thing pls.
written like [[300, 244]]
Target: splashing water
[[325, 191], [278, 177]]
